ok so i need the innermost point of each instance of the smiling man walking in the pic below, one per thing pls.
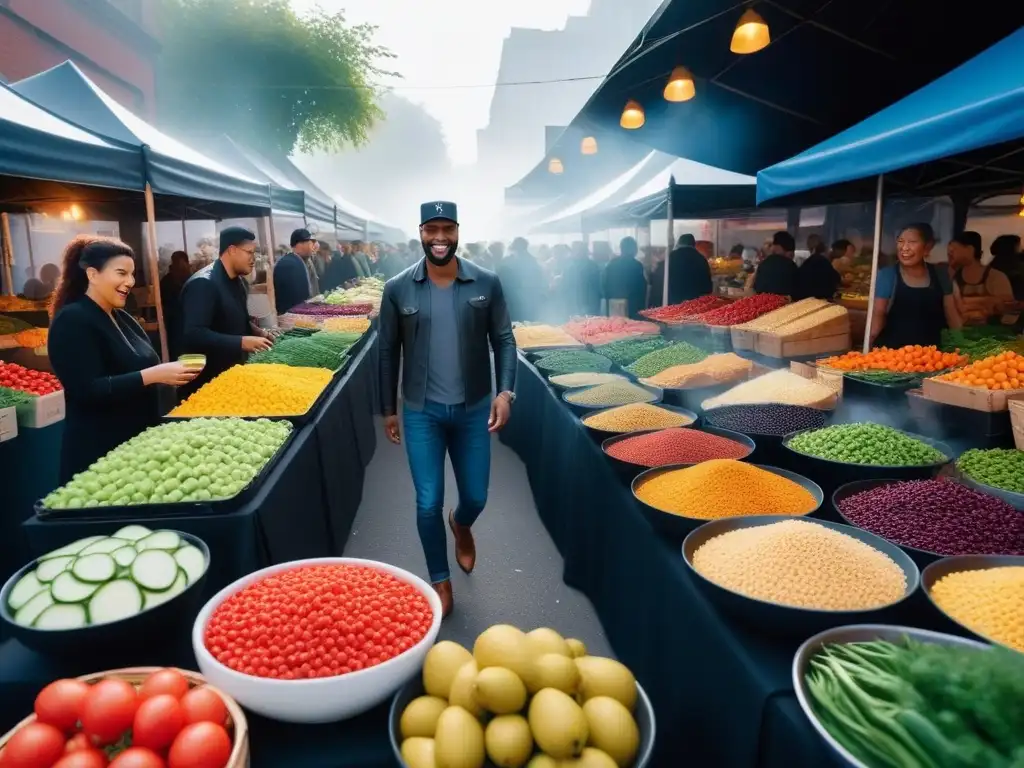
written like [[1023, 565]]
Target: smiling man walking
[[444, 315]]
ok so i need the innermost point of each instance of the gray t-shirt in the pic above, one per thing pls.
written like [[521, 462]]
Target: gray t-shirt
[[445, 384]]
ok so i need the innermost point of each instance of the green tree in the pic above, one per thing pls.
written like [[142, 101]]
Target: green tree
[[256, 70]]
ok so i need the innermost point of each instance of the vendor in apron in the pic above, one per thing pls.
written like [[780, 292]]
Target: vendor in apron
[[984, 296], [913, 299]]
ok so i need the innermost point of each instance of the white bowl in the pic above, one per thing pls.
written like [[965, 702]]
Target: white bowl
[[324, 699]]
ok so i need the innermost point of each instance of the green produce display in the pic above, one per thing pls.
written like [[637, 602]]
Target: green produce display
[[574, 361], [367, 290], [322, 349], [100, 579], [918, 705], [1001, 468], [626, 351], [869, 444], [10, 398], [679, 353], [180, 461], [979, 342]]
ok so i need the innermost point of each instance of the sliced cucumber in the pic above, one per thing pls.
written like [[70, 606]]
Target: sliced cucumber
[[114, 601], [192, 562], [153, 599], [28, 586], [66, 588], [124, 556], [30, 611], [132, 533], [62, 616], [154, 570], [48, 569], [73, 548], [103, 546], [96, 568], [167, 540]]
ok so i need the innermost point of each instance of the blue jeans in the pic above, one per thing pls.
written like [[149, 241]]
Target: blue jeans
[[461, 432]]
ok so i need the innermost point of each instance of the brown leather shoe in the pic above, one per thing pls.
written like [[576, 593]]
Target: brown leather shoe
[[465, 547], [444, 591]]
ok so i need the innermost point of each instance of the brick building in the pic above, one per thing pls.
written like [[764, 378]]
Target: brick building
[[115, 42]]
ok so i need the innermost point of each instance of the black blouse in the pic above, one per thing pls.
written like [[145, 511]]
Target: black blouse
[[98, 361]]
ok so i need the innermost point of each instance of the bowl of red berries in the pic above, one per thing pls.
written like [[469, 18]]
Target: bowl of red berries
[[315, 641]]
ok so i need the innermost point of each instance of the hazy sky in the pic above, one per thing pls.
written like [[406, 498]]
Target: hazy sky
[[445, 45]]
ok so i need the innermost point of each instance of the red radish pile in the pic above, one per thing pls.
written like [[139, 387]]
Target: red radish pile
[[678, 313], [331, 310], [112, 724], [317, 621], [18, 377], [676, 445], [601, 330], [742, 311]]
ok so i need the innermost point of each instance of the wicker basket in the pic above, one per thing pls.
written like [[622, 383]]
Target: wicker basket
[[1017, 419], [135, 675]]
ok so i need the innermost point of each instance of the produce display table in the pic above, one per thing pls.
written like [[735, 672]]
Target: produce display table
[[722, 694]]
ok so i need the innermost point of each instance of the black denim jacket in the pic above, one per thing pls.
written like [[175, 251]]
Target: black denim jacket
[[404, 327]]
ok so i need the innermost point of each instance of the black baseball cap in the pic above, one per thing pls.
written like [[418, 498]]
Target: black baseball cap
[[439, 209], [235, 236], [301, 236]]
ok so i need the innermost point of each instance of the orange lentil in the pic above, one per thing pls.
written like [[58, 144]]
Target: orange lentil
[[989, 602]]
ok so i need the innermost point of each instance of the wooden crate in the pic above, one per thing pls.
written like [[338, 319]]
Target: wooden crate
[[975, 398], [8, 424], [829, 328], [42, 411], [779, 347], [743, 339]]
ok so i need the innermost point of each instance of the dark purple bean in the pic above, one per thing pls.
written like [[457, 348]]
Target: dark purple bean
[[765, 419]]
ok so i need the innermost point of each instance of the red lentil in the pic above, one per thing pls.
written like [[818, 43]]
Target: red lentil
[[676, 446], [317, 621]]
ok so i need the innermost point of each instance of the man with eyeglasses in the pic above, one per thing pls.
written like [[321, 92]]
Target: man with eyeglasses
[[214, 309]]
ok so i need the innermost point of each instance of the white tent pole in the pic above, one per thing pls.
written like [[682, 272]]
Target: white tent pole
[[671, 238], [7, 252], [154, 271], [266, 235], [875, 251], [184, 237]]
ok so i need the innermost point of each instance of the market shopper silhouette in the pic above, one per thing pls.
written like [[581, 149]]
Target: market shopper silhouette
[[442, 317]]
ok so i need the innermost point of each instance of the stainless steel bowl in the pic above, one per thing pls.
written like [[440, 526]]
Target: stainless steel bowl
[[855, 633]]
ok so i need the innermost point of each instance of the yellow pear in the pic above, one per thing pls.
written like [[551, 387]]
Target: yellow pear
[[503, 646], [440, 666], [606, 677], [508, 741], [591, 758], [461, 694], [542, 761], [420, 717], [499, 690], [558, 725], [552, 670], [576, 647], [418, 752], [459, 741], [544, 640], [612, 729]]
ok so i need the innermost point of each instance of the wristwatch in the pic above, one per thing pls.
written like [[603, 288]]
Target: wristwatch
[[509, 395]]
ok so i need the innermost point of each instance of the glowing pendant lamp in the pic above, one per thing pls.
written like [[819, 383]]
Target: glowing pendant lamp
[[555, 166], [632, 116], [751, 33], [680, 85], [588, 146]]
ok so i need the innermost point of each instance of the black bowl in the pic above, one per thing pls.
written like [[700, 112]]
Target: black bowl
[[601, 434], [643, 713], [1014, 499], [629, 470], [769, 447], [678, 527], [580, 409], [124, 636], [790, 621], [948, 565]]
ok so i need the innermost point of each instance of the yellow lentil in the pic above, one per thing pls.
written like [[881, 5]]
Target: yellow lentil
[[801, 564], [257, 389], [779, 317], [989, 602], [725, 488], [585, 379], [614, 393], [714, 369], [532, 336], [781, 386], [636, 416], [347, 324]]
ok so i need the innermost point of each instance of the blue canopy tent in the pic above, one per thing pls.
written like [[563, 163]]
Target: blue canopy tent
[[962, 135], [828, 66]]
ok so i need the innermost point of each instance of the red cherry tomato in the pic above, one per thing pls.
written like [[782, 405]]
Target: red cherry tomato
[[109, 710], [157, 721], [200, 745], [138, 757], [169, 681], [77, 742], [36, 745], [203, 705], [83, 758], [60, 704]]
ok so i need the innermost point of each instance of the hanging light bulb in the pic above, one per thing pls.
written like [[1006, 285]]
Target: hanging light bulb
[[751, 33], [1021, 211], [588, 146], [632, 116], [680, 85], [555, 166]]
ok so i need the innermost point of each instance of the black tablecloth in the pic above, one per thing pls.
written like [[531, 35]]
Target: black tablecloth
[[722, 694]]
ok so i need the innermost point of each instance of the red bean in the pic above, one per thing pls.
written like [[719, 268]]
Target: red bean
[[676, 446]]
